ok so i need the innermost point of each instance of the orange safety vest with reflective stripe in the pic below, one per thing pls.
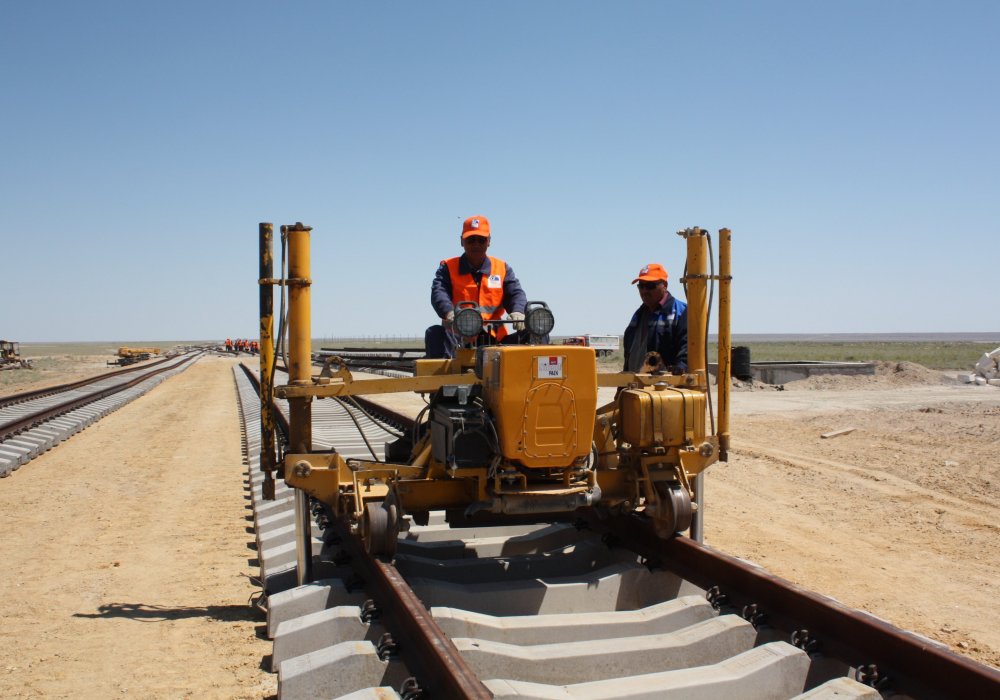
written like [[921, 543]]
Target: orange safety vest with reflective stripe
[[488, 294]]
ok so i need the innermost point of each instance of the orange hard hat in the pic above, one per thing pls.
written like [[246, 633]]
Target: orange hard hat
[[476, 226], [653, 272]]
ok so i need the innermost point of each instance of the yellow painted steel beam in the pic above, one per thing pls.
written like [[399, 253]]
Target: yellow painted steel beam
[[361, 387], [696, 287], [725, 338], [691, 380], [299, 334]]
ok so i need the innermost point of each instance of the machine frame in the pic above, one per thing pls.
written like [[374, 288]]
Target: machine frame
[[646, 451]]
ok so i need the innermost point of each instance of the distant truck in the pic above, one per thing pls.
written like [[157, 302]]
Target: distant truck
[[603, 344]]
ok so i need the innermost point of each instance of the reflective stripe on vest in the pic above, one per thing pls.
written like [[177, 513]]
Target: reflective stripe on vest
[[488, 294]]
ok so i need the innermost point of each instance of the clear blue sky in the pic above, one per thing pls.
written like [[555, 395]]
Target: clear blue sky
[[852, 147]]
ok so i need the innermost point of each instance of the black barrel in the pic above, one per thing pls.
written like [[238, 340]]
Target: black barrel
[[740, 359]]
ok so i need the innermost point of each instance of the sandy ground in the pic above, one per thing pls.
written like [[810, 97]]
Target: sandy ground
[[900, 517], [126, 559], [125, 555]]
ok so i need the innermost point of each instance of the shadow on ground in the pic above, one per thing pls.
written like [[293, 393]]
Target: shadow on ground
[[155, 613]]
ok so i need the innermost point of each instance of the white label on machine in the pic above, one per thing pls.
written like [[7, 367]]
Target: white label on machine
[[550, 367]]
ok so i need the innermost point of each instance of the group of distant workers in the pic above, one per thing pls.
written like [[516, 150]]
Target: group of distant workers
[[242, 345], [659, 324]]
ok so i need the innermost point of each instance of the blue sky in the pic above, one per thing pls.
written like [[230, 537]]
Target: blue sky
[[852, 147]]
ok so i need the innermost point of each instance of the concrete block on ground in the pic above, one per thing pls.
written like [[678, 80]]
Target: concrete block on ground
[[33, 446], [701, 644], [317, 630], [278, 505], [669, 616], [776, 670], [307, 599], [841, 689], [280, 556], [286, 579], [279, 519], [350, 667], [623, 586], [15, 455]]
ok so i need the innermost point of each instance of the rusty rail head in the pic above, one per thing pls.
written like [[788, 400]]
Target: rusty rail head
[[38, 393], [423, 646], [31, 420]]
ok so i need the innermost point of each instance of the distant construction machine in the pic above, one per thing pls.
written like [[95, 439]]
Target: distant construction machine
[[10, 356], [129, 356]]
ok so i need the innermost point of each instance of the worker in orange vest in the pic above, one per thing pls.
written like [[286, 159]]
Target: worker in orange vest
[[229, 345], [474, 276]]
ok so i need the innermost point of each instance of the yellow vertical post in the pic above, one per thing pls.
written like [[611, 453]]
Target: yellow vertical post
[[266, 283], [299, 374], [696, 285], [725, 339], [299, 334]]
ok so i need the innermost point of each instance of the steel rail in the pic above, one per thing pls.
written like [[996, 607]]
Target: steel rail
[[11, 429], [910, 661], [12, 399], [876, 652], [421, 643], [906, 658]]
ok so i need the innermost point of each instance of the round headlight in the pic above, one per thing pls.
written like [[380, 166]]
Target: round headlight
[[539, 320], [468, 322]]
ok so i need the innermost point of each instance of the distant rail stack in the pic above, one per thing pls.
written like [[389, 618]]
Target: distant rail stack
[[129, 356]]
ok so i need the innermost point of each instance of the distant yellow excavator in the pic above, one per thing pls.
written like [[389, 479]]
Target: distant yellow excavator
[[10, 356]]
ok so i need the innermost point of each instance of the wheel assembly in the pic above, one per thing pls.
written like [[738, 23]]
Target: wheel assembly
[[381, 528], [674, 510]]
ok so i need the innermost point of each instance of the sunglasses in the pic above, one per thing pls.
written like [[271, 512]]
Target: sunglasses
[[648, 285], [476, 240]]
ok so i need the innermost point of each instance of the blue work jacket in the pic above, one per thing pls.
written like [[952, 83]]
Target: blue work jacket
[[667, 334]]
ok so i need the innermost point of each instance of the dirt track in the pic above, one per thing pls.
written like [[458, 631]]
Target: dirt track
[[126, 558]]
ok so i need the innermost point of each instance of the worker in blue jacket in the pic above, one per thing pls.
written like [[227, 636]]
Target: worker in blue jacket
[[660, 324]]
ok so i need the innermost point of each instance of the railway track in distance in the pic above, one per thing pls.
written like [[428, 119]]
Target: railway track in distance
[[35, 421], [585, 609]]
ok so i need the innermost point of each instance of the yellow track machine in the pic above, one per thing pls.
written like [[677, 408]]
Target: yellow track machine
[[10, 356], [509, 430]]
